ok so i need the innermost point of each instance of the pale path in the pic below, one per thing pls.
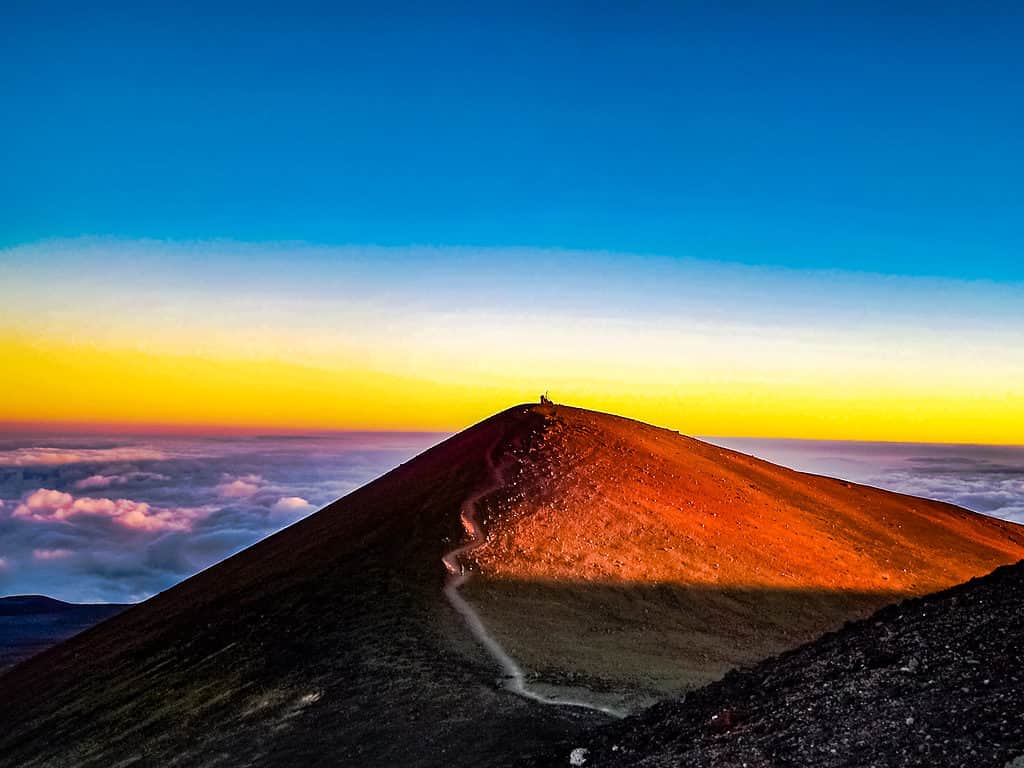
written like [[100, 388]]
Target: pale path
[[458, 575]]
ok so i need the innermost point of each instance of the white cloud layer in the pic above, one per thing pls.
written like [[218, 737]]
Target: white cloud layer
[[46, 505], [51, 554], [291, 504], [241, 487], [986, 479], [65, 532], [126, 478], [41, 456]]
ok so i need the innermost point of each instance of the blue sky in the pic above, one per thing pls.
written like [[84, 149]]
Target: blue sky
[[863, 136]]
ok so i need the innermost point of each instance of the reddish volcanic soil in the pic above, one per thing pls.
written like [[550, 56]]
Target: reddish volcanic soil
[[649, 560], [621, 562], [605, 498]]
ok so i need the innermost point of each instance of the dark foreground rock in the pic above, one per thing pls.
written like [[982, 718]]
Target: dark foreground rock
[[936, 681]]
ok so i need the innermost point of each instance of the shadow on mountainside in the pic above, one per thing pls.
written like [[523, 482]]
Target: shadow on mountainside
[[636, 643], [369, 668], [934, 682]]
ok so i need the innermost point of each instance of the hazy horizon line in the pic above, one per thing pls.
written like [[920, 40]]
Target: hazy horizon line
[[158, 429]]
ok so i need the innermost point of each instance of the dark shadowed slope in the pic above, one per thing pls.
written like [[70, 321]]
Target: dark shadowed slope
[[936, 682], [329, 643], [332, 642], [30, 624]]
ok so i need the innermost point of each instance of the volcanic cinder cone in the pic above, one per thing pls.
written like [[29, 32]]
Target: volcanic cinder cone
[[619, 562], [646, 562]]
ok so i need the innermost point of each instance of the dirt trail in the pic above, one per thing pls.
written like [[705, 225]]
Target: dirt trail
[[515, 679]]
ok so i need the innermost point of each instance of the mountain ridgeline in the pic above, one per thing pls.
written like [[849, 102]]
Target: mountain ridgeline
[[30, 624]]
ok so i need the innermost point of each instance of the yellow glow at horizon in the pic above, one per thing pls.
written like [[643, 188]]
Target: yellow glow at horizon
[[430, 379]]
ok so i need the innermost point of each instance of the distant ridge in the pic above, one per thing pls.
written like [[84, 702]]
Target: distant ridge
[[29, 624], [18, 605], [621, 563]]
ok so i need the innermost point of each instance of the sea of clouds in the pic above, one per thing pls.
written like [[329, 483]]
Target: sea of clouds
[[983, 478], [117, 519]]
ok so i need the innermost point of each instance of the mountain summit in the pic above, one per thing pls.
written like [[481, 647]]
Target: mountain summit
[[442, 613]]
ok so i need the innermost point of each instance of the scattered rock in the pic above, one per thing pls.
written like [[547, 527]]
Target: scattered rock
[[578, 756], [724, 720]]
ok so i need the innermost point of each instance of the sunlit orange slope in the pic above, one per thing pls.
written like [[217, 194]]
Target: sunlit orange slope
[[614, 542], [606, 498]]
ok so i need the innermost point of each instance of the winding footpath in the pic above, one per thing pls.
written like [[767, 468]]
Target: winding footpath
[[515, 679]]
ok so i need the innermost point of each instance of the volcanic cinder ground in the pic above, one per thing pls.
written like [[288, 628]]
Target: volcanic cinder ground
[[931, 682], [621, 563]]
